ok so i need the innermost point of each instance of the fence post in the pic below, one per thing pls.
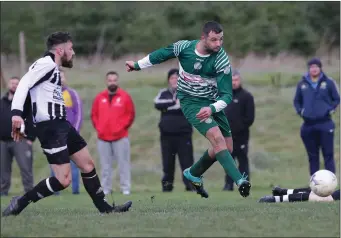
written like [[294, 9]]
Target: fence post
[[3, 81], [22, 49]]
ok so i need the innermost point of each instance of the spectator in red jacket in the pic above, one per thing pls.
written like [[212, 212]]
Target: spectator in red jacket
[[112, 114]]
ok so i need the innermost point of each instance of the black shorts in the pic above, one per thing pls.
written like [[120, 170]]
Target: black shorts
[[59, 139]]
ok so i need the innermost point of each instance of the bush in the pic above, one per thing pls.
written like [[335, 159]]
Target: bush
[[261, 27]]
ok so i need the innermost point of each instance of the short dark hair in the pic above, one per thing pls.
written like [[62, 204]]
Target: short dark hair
[[212, 26], [171, 72], [112, 73], [14, 77], [57, 38]]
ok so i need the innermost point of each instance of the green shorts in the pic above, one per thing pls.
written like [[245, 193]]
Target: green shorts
[[190, 106]]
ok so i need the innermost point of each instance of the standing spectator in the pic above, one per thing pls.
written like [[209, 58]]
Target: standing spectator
[[241, 115], [176, 133], [74, 114], [112, 114], [22, 151], [315, 100]]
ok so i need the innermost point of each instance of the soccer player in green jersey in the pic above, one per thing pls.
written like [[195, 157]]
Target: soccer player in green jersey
[[204, 90]]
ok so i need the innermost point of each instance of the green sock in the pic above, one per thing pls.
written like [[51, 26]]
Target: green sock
[[225, 159], [200, 167]]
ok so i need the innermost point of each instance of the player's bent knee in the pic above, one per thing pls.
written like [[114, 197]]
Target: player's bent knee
[[220, 145], [83, 160], [65, 180], [62, 173], [216, 138], [88, 166]]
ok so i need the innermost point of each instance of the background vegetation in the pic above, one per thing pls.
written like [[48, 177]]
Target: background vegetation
[[125, 27]]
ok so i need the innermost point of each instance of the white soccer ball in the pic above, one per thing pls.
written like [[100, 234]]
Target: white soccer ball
[[323, 183]]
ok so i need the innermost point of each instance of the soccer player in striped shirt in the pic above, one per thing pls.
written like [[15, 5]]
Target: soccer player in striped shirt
[[204, 89], [40, 91]]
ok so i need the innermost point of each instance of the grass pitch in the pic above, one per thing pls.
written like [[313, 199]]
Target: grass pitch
[[178, 214]]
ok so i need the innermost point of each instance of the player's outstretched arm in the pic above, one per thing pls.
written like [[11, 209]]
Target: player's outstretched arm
[[158, 56]]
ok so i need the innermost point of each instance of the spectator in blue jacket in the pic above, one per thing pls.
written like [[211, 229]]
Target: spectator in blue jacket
[[315, 100]]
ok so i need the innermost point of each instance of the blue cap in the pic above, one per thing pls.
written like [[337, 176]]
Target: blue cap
[[316, 61]]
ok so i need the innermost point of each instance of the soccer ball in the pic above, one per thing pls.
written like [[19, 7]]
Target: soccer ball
[[323, 183]]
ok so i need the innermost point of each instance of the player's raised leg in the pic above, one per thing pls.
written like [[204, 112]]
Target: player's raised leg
[[92, 184]]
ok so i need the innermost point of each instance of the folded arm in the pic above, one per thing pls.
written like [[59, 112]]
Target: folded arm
[[161, 102]]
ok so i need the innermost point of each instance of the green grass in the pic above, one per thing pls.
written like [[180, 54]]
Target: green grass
[[176, 215], [277, 156]]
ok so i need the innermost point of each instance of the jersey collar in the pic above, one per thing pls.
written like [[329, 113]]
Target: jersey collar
[[48, 53]]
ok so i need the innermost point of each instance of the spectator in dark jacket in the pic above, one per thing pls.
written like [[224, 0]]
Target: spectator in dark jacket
[[175, 133], [315, 100], [241, 115], [22, 151]]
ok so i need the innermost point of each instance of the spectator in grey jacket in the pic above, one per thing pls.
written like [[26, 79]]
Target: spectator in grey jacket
[[21, 151]]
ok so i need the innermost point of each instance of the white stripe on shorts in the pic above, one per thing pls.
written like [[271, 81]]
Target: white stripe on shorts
[[55, 150]]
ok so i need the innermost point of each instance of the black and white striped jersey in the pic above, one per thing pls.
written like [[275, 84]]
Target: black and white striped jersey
[[42, 85]]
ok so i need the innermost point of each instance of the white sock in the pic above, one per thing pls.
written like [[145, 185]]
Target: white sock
[[285, 198], [290, 191]]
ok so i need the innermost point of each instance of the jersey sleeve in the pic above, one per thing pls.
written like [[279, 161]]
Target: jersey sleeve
[[224, 82], [38, 72], [163, 54]]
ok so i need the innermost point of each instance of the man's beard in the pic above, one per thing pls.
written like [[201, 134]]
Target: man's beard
[[12, 91], [112, 88], [209, 50], [66, 63]]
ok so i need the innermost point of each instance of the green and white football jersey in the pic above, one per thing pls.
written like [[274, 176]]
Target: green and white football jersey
[[203, 76]]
